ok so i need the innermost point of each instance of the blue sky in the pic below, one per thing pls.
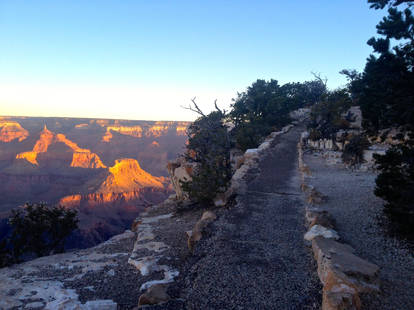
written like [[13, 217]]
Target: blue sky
[[143, 59]]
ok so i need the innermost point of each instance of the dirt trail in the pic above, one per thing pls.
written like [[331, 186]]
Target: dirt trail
[[255, 257]]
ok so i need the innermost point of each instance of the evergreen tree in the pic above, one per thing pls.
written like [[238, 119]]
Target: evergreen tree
[[37, 229], [385, 90], [209, 147]]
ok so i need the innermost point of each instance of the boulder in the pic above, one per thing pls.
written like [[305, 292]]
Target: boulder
[[338, 295], [339, 261], [220, 200], [264, 146], [180, 170], [236, 159], [156, 294], [319, 217], [316, 197], [197, 231], [251, 155], [320, 231]]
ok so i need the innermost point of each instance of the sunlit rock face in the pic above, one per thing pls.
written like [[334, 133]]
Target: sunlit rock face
[[133, 131], [10, 130], [127, 175], [86, 160], [108, 170], [82, 158], [158, 129]]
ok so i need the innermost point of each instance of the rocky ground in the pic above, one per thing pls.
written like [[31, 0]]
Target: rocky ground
[[255, 257], [104, 277], [358, 215]]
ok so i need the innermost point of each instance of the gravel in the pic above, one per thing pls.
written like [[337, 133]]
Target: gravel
[[254, 256], [358, 214]]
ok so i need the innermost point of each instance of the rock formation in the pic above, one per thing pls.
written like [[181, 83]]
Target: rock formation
[[63, 161], [11, 130], [82, 158], [126, 175]]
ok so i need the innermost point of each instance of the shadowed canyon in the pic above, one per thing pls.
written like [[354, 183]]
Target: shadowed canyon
[[109, 170]]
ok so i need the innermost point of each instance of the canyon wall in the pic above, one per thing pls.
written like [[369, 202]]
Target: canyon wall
[[109, 170]]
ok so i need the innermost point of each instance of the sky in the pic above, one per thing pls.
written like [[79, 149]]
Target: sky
[[145, 59]]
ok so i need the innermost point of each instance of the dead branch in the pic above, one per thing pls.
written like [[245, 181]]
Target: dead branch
[[196, 109], [317, 76]]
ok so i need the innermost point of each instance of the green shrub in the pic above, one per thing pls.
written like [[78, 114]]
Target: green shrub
[[395, 184], [315, 134], [354, 151], [265, 106], [209, 147], [37, 229], [326, 116]]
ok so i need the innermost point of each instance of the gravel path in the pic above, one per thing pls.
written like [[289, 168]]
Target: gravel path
[[357, 211], [255, 257]]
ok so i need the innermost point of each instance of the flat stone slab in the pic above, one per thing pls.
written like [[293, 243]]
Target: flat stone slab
[[320, 231], [339, 259]]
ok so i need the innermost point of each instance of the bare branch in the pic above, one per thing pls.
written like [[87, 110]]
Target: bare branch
[[196, 109], [223, 112], [317, 76]]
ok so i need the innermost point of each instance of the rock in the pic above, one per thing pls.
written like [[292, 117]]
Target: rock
[[305, 188], [111, 273], [135, 224], [316, 197], [305, 169], [319, 217], [337, 295], [156, 294], [180, 170], [146, 265], [368, 155], [274, 134], [237, 182], [286, 128], [318, 230], [338, 260], [264, 146], [236, 159], [220, 200], [251, 154], [304, 136], [208, 216], [197, 231]]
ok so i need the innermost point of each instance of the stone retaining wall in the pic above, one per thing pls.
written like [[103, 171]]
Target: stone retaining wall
[[343, 274]]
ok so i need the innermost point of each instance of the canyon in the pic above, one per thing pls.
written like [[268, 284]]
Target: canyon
[[108, 170]]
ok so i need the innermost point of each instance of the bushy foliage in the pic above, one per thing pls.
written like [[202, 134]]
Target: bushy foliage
[[395, 184], [385, 90], [209, 147], [326, 116], [265, 107], [354, 150], [37, 229]]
